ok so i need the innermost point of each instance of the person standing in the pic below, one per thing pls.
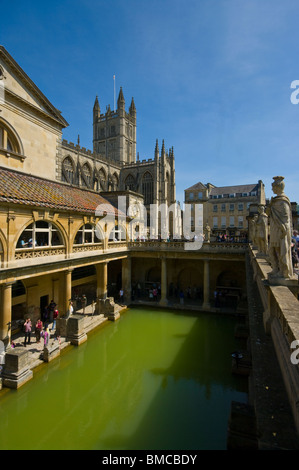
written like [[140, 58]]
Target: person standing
[[46, 336], [38, 329], [83, 303], [55, 316], [27, 328]]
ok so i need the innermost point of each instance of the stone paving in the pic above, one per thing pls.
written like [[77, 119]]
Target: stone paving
[[36, 348]]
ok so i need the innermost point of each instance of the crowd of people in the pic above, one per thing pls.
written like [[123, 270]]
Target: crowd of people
[[42, 328]]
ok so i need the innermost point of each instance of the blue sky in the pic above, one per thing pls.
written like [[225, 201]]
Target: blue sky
[[210, 77]]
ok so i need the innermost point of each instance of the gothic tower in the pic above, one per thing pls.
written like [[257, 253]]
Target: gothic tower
[[114, 133]]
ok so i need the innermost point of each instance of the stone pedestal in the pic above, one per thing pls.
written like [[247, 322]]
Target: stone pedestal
[[75, 330], [108, 308], [61, 327], [51, 351], [16, 370]]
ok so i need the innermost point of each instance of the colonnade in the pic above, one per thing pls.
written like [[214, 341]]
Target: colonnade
[[101, 290]]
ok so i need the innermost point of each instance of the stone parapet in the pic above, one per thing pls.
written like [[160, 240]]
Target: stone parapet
[[281, 322]]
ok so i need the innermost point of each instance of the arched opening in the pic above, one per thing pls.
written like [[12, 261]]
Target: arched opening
[[68, 170], [86, 179], [87, 234], [190, 281], [9, 139], [228, 292], [40, 234], [114, 182], [102, 179], [18, 309], [130, 183], [84, 284], [148, 188], [117, 234], [168, 188]]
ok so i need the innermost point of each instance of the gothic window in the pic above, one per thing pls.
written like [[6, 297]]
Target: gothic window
[[115, 181], [130, 183], [86, 175], [102, 179], [168, 188], [86, 234], [68, 173], [148, 188], [8, 141], [40, 233]]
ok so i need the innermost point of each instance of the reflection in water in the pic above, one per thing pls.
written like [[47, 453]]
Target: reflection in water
[[153, 380]]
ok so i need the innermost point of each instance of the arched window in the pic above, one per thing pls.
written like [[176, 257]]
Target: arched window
[[87, 234], [168, 188], [86, 175], [148, 188], [117, 234], [68, 172], [38, 234], [8, 140], [115, 181], [102, 179], [130, 183]]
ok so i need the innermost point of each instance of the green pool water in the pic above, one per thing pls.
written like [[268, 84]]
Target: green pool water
[[153, 380]]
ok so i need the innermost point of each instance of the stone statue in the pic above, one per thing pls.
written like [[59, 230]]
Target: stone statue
[[207, 233], [261, 230], [252, 229], [280, 215]]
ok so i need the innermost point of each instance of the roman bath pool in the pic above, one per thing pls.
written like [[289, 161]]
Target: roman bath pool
[[153, 380]]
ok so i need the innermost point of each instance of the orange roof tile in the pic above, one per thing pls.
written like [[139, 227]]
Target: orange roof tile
[[20, 188]]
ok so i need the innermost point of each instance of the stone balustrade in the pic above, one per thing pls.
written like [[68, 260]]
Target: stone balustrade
[[281, 321]]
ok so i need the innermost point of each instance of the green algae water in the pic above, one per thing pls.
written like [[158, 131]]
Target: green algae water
[[153, 380]]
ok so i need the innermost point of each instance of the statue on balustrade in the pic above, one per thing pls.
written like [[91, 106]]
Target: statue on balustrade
[[280, 216], [261, 232], [252, 229], [207, 233]]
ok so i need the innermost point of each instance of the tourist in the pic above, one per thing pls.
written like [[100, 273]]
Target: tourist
[[27, 328], [46, 336], [71, 309], [38, 330], [155, 294], [55, 316], [51, 309], [181, 297], [83, 303], [294, 254], [138, 289], [121, 295]]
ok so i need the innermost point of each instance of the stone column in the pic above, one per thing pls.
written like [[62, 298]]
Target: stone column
[[68, 289], [163, 300], [206, 285], [126, 278], [102, 276], [5, 314]]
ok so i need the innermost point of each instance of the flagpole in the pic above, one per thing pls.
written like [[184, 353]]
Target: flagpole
[[114, 90]]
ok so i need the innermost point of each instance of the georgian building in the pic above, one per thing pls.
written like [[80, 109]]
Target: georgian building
[[226, 209]]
